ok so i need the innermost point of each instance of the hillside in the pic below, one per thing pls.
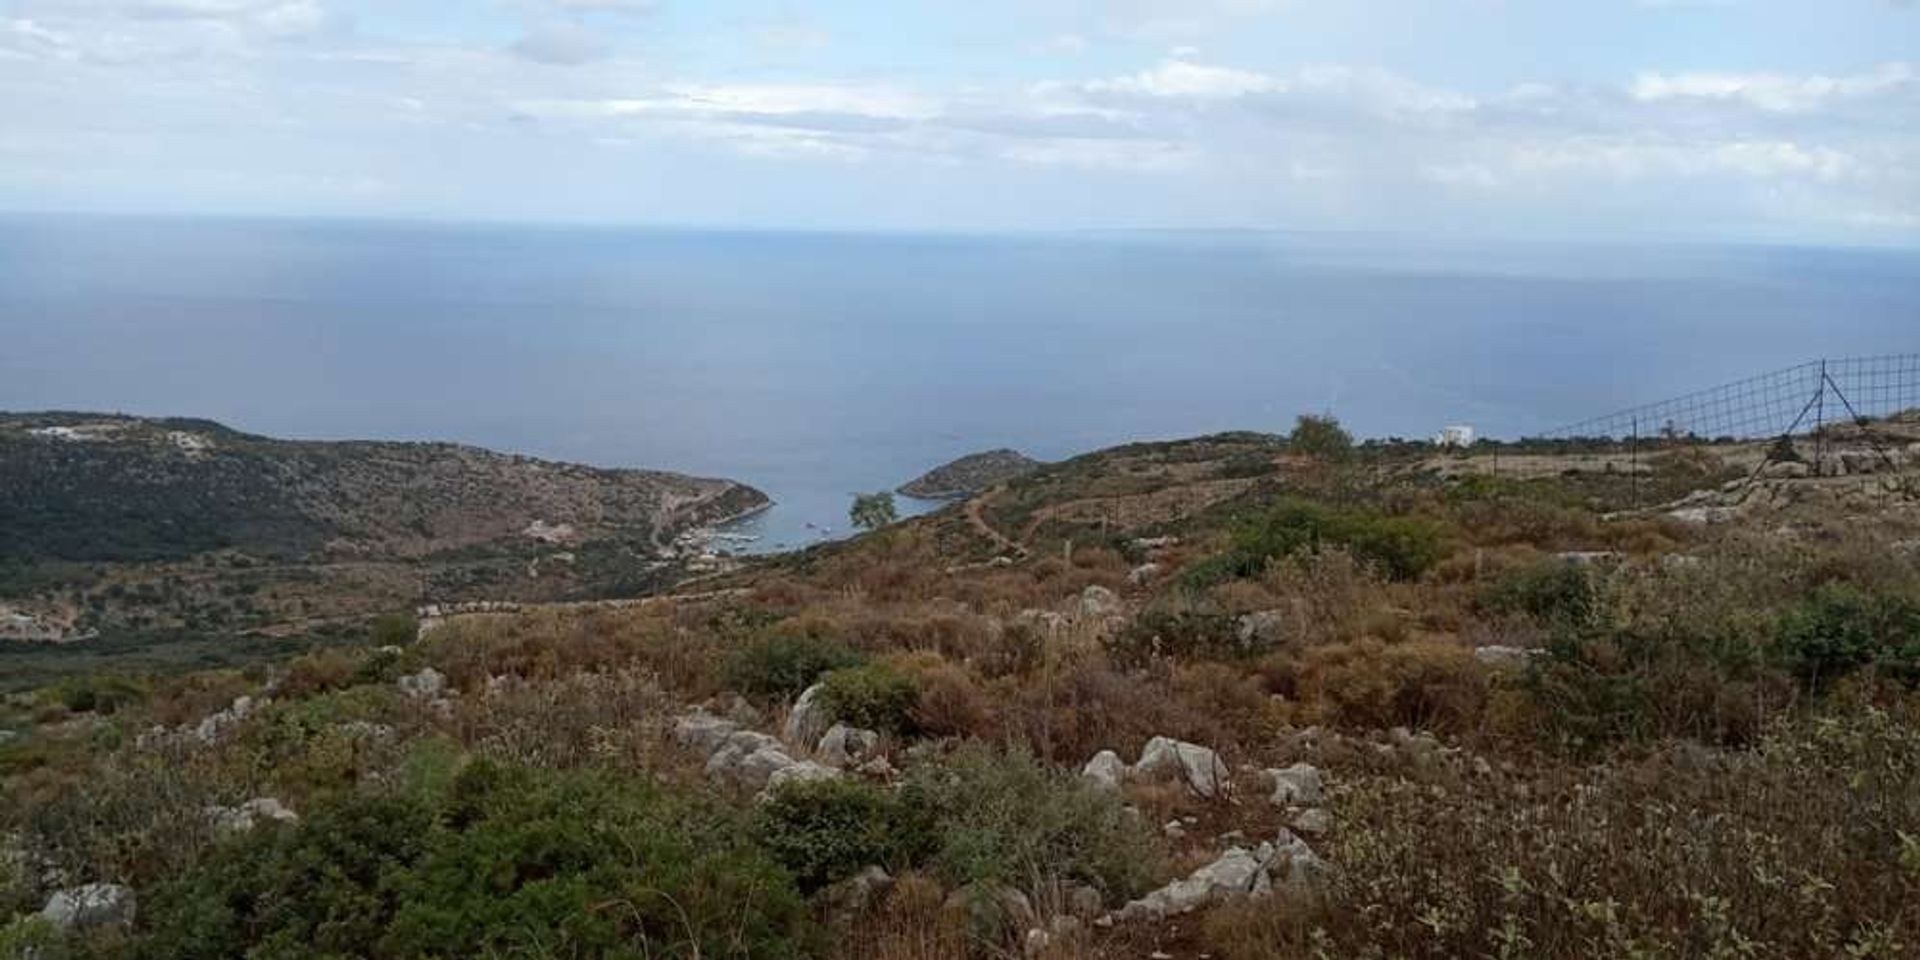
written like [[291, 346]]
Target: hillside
[[969, 475], [118, 523], [1216, 697]]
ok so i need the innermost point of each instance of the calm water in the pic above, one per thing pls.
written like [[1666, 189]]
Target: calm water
[[814, 366]]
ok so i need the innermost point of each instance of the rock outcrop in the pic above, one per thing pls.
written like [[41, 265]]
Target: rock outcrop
[[92, 907], [969, 475], [1198, 767]]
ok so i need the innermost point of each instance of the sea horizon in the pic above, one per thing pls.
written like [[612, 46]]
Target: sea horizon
[[820, 364]]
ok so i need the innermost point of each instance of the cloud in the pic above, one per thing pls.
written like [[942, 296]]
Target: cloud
[[1772, 91], [26, 39], [561, 43]]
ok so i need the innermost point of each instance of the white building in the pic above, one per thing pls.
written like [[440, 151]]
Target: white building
[[1456, 436]]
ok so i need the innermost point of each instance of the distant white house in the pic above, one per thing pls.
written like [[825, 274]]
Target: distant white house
[[1455, 436]]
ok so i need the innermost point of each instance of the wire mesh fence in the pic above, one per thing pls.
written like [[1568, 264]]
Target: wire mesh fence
[[1798, 399]]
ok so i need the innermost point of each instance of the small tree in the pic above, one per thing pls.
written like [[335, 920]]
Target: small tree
[[871, 511], [1321, 436]]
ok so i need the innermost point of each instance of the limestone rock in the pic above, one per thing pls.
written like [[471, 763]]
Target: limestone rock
[[248, 815], [1298, 785], [1098, 601], [1238, 873], [847, 899], [704, 732], [1106, 770], [217, 724], [1198, 767], [748, 758], [809, 719], [801, 771], [845, 746], [1312, 820], [1143, 574], [425, 685], [94, 906], [1502, 657], [1262, 630]]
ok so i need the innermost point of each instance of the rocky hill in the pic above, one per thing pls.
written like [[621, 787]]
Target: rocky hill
[[117, 524], [970, 474], [109, 488]]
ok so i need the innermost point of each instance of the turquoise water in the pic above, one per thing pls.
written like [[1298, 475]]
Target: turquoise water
[[818, 365]]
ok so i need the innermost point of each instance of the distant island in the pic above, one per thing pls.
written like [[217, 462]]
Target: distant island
[[970, 474]]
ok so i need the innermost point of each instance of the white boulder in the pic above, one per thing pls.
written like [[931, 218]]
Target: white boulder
[[703, 731], [1297, 786], [94, 906], [845, 746], [809, 719], [425, 685], [1198, 767], [801, 771], [1098, 601], [1105, 771], [1238, 873], [251, 814]]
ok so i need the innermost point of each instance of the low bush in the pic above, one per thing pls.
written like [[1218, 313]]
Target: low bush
[[1598, 687], [876, 696], [1840, 629], [104, 695], [1011, 819], [1179, 634], [1401, 548], [781, 663], [1555, 592], [505, 861], [824, 831], [1372, 684], [1736, 855]]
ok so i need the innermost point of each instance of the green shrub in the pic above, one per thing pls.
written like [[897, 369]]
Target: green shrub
[[505, 861], [1320, 436], [104, 695], [877, 696], [824, 831], [1556, 592], [1012, 819], [28, 936], [1402, 548], [1840, 629], [1599, 686], [394, 630], [1179, 634], [782, 663]]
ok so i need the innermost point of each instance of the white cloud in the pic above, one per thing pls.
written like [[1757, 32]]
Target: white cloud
[[1643, 159], [1179, 78], [1772, 91], [26, 39]]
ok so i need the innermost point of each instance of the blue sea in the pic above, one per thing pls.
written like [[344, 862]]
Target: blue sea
[[815, 366]]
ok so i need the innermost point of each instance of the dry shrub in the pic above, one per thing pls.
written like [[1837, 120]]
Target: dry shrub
[[544, 644], [1422, 684], [909, 923], [186, 698], [951, 702], [610, 719], [1803, 847], [1083, 705], [319, 672]]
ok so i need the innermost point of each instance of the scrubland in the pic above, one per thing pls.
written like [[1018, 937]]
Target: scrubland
[[1549, 725]]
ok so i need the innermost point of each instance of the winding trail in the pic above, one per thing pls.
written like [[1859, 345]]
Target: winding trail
[[975, 511]]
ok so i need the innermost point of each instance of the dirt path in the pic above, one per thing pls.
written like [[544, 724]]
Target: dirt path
[[975, 511]]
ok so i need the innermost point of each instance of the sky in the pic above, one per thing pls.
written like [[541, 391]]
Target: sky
[[1787, 120]]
